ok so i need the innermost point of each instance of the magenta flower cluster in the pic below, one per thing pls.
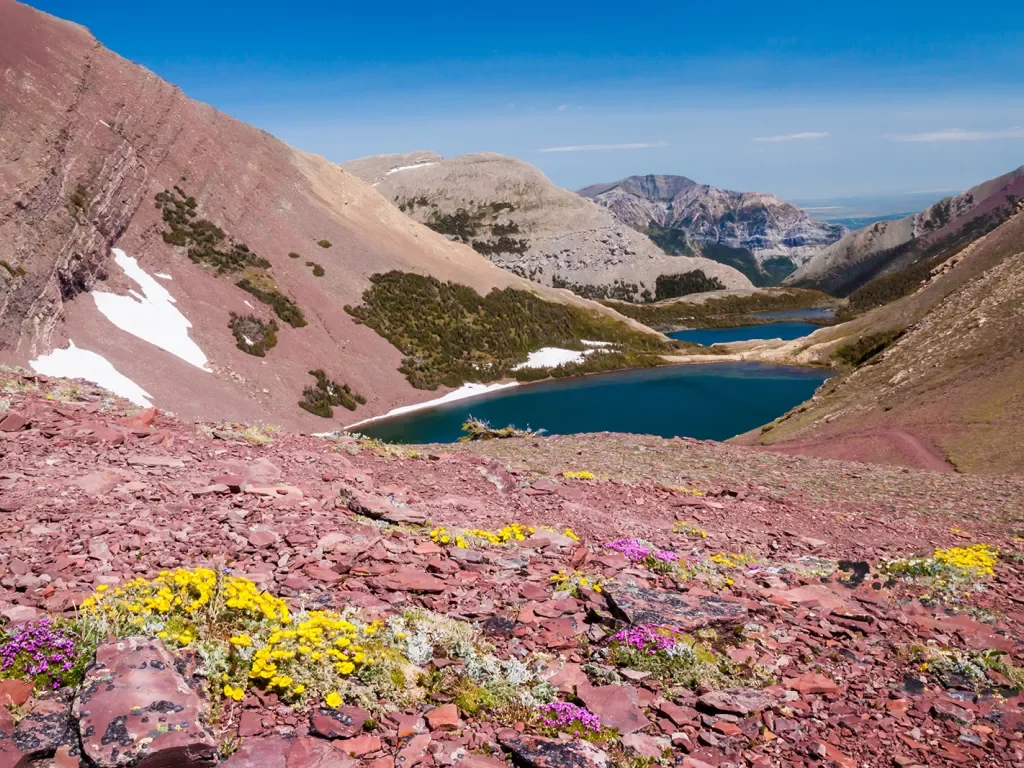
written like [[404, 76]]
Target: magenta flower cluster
[[635, 550], [563, 715], [39, 648], [644, 637]]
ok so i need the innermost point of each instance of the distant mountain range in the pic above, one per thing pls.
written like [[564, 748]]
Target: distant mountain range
[[759, 234], [509, 211], [886, 248]]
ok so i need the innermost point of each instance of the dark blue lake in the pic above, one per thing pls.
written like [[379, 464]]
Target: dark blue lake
[[787, 331], [711, 401]]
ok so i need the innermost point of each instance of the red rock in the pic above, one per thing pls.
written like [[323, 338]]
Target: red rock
[[360, 745], [443, 718], [644, 745], [134, 687], [261, 539], [811, 682], [13, 422], [323, 574], [679, 715], [693, 762], [98, 483], [616, 705], [45, 726], [341, 723], [412, 751], [376, 508], [539, 752], [19, 614], [14, 692], [738, 701], [480, 761], [410, 580], [141, 420], [249, 723], [685, 612], [281, 752], [155, 461], [944, 709]]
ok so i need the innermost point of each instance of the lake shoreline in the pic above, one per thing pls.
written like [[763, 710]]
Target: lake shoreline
[[513, 387]]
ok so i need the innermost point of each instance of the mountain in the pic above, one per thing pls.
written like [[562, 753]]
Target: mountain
[[190, 260], [926, 238], [936, 377], [763, 236], [512, 213]]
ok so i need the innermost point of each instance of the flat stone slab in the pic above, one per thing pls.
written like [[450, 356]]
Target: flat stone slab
[[678, 610], [539, 752], [136, 708]]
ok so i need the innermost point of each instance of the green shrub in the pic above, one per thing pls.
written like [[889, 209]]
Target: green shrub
[[324, 243], [294, 255], [18, 271], [207, 243], [252, 335], [721, 311], [694, 281], [450, 334], [319, 399], [619, 290], [318, 271], [866, 347], [78, 202], [268, 293]]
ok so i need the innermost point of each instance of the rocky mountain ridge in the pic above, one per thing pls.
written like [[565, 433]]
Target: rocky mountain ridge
[[516, 217], [186, 258], [776, 234], [935, 233]]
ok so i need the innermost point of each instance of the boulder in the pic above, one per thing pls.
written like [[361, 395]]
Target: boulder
[[140, 706], [368, 505], [737, 701], [616, 705], [684, 612], [539, 752], [46, 726]]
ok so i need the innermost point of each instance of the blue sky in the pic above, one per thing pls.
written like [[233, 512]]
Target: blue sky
[[807, 100]]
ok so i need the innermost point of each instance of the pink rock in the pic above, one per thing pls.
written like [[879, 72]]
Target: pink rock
[[360, 745], [410, 580], [443, 718], [616, 705], [811, 682], [133, 688], [323, 574], [14, 693], [413, 750]]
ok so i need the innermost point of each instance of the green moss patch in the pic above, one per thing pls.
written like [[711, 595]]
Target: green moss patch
[[252, 335], [450, 334], [318, 271], [324, 243], [867, 347], [319, 400], [264, 289]]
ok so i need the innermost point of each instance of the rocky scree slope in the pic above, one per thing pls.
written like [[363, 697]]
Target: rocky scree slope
[[934, 234], [934, 376], [739, 608], [510, 212], [760, 234], [96, 152]]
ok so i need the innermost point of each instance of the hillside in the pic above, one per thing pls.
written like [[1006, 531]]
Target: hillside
[[763, 236], [938, 376], [511, 213], [189, 260], [329, 603], [932, 235]]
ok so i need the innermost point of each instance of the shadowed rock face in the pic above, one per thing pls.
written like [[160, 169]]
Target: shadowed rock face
[[640, 605], [559, 237], [762, 224], [88, 142]]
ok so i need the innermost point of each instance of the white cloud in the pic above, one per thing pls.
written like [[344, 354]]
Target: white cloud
[[562, 107], [795, 136], [605, 147], [958, 134]]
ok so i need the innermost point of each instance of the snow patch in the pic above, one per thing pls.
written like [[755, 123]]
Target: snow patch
[[75, 363], [164, 276], [551, 357], [409, 167], [151, 317], [104, 122], [250, 306], [465, 391], [596, 343]]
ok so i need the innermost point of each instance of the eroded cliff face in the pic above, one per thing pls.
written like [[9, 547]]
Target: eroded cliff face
[[88, 141], [763, 224], [516, 217]]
